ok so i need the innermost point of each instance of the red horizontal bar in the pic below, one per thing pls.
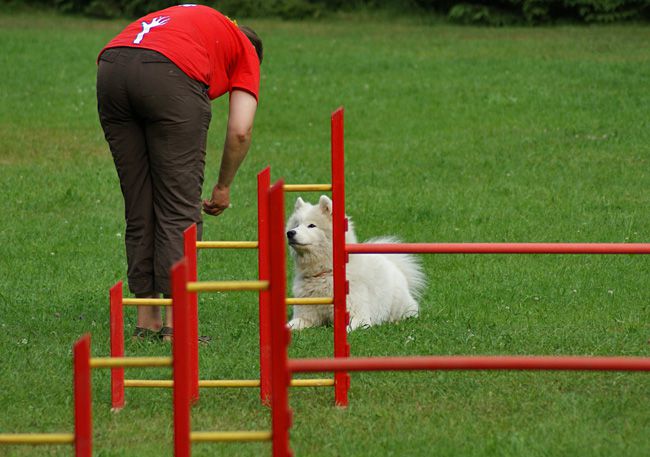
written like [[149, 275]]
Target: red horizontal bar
[[471, 363], [498, 248]]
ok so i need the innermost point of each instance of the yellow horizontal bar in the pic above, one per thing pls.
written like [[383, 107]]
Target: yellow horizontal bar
[[216, 383], [230, 436], [312, 382], [227, 244], [229, 383], [148, 383], [310, 301], [147, 301], [36, 438], [217, 286], [307, 187], [111, 362]]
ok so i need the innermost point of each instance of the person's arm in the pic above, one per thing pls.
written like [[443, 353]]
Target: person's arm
[[238, 139]]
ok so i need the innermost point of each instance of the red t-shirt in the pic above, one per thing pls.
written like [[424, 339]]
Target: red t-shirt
[[202, 42]]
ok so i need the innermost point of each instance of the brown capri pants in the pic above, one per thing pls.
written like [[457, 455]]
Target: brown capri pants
[[155, 119]]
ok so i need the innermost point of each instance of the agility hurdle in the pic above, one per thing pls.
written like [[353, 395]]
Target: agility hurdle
[[81, 438], [192, 245], [284, 368], [181, 382], [275, 288], [341, 381], [117, 302], [83, 363]]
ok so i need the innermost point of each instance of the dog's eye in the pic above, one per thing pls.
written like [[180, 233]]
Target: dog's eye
[[311, 226]]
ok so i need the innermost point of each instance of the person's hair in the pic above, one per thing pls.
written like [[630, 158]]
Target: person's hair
[[255, 40]]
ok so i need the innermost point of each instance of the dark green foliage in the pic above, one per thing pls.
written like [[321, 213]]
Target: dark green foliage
[[465, 13], [288, 9], [113, 8], [609, 10], [532, 12], [482, 12]]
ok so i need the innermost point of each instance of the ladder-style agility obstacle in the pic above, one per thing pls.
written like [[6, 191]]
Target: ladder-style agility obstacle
[[117, 302], [81, 439], [340, 382], [284, 368], [181, 381], [182, 288], [184, 382]]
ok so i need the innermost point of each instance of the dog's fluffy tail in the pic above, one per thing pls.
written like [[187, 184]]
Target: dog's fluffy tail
[[407, 264]]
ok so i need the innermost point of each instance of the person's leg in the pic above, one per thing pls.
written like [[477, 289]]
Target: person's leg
[[149, 317], [177, 178], [125, 134], [178, 115]]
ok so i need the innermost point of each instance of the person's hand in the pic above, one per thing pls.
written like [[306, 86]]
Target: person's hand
[[219, 202]]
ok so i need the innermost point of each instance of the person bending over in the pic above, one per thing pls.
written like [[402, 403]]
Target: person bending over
[[155, 81]]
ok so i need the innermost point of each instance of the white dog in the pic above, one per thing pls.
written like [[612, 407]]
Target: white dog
[[383, 288]]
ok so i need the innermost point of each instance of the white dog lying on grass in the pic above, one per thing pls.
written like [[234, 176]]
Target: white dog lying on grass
[[383, 288]]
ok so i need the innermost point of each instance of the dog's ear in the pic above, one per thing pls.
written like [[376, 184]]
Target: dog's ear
[[325, 204], [299, 203]]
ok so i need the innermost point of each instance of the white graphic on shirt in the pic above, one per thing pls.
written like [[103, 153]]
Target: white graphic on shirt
[[146, 27]]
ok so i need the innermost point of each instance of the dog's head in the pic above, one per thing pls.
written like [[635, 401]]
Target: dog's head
[[309, 228]]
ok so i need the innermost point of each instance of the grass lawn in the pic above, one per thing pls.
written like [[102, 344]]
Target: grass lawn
[[453, 134]]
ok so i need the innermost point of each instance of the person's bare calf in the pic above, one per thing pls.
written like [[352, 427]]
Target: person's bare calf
[[149, 317], [169, 323]]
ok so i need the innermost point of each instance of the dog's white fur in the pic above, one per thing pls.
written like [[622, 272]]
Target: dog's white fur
[[383, 288]]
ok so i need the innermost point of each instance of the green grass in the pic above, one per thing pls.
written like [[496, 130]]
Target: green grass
[[452, 134]]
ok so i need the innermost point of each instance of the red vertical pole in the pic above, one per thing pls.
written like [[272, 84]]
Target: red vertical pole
[[189, 241], [263, 184], [182, 366], [83, 412], [117, 345], [280, 411], [339, 258]]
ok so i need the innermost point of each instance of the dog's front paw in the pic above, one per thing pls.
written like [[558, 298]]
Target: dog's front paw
[[356, 323], [299, 324], [410, 314]]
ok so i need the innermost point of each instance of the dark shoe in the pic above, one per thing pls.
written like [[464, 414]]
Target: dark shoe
[[145, 334], [166, 334]]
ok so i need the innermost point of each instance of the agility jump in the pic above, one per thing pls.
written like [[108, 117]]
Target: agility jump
[[181, 382], [284, 368], [81, 438], [117, 302]]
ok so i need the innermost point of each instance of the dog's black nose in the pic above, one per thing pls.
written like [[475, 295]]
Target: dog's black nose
[[291, 234]]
